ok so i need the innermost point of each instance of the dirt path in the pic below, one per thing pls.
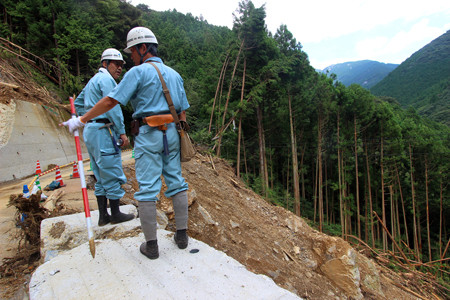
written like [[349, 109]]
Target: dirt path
[[72, 198]]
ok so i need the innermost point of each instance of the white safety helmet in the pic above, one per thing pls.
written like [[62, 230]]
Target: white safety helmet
[[112, 54], [139, 35]]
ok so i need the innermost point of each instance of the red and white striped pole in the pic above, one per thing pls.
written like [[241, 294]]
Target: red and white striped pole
[[83, 183]]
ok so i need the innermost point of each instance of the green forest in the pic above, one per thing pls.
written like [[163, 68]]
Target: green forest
[[353, 164], [422, 81]]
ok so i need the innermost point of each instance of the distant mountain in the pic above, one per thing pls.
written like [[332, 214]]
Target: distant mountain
[[422, 81], [366, 73]]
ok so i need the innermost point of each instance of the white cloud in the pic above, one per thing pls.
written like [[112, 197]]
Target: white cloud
[[315, 21], [311, 21], [397, 48]]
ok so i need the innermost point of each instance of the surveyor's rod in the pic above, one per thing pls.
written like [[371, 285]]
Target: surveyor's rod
[[83, 183]]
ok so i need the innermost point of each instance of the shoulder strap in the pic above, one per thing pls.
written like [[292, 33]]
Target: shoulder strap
[[167, 95]]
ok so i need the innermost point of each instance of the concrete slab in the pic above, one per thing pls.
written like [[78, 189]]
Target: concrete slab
[[119, 270], [63, 233]]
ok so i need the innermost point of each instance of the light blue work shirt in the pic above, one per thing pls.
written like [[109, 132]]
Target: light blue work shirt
[[98, 87], [142, 87], [106, 158]]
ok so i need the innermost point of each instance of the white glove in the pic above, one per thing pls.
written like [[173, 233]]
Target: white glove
[[73, 124]]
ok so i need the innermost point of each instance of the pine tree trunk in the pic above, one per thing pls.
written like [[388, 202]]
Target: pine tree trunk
[[419, 231], [403, 206], [428, 212], [416, 242], [366, 215], [238, 160], [370, 215], [77, 59], [302, 177], [287, 184], [320, 177], [358, 216], [316, 180], [295, 182], [397, 216], [332, 212], [341, 202], [245, 159], [327, 219], [440, 218], [383, 205], [262, 171], [228, 96], [266, 167], [219, 84], [344, 197], [391, 200], [271, 168]]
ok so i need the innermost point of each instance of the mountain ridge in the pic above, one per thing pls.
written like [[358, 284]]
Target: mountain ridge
[[366, 73], [422, 81]]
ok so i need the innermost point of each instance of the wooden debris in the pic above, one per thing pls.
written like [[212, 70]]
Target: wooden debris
[[235, 183], [212, 162], [50, 202], [289, 255], [13, 86]]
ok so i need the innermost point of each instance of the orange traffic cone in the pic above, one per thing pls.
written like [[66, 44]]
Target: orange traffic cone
[[58, 176], [75, 173], [38, 168]]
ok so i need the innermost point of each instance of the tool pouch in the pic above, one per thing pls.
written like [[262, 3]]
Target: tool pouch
[[134, 127], [158, 120]]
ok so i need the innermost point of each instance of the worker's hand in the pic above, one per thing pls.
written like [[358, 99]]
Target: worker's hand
[[73, 124], [125, 140]]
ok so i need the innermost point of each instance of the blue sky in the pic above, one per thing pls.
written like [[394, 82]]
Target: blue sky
[[333, 31]]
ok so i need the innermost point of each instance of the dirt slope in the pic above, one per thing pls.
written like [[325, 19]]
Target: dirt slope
[[266, 239], [272, 241]]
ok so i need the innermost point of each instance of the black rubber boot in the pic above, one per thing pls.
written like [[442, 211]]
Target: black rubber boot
[[150, 249], [181, 238], [103, 216], [116, 215]]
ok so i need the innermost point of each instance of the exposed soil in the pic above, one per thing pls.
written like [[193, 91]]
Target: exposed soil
[[228, 216]]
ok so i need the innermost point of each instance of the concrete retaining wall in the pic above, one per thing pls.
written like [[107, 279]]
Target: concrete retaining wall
[[35, 135]]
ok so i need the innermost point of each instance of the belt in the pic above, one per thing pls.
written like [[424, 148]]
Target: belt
[[103, 120], [141, 122]]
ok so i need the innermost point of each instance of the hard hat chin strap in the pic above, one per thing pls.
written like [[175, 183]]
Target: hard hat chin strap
[[142, 55], [107, 65]]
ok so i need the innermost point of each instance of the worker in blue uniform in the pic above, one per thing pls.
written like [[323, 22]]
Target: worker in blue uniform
[[142, 87], [102, 135]]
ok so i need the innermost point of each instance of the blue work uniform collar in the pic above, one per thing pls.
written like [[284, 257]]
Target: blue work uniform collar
[[103, 70], [154, 58]]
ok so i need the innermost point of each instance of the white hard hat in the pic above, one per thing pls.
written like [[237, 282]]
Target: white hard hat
[[139, 35], [112, 54]]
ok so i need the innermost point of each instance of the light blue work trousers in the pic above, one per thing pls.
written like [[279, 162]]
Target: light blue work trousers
[[106, 161], [151, 162]]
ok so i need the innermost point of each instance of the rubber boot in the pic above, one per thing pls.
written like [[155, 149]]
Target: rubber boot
[[147, 216], [181, 238], [180, 207], [116, 215], [150, 249], [103, 216]]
